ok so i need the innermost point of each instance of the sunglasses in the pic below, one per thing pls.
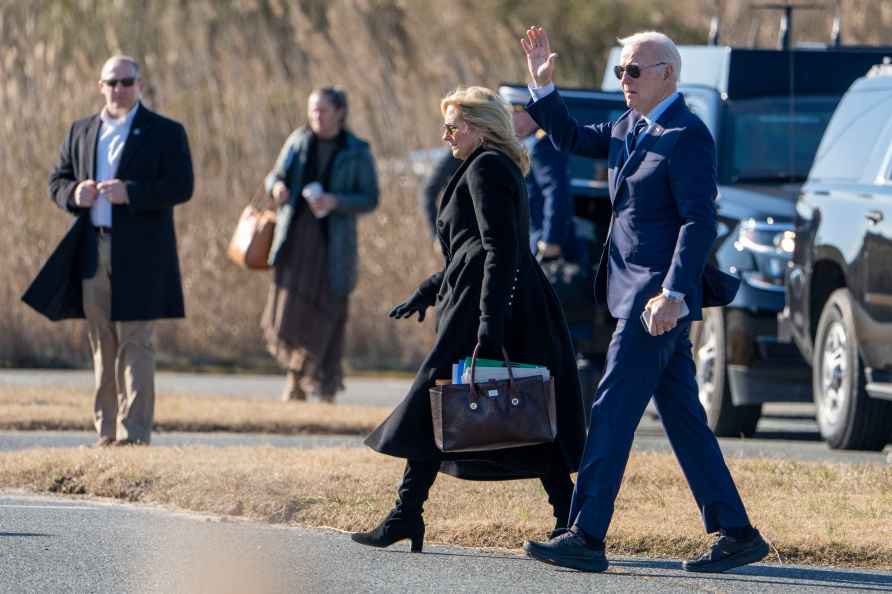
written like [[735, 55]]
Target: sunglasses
[[634, 70], [450, 129], [126, 82], [517, 107]]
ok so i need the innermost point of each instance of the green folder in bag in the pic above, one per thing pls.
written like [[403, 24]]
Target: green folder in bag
[[494, 363]]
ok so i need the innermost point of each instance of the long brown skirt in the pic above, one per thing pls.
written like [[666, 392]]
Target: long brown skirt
[[304, 323]]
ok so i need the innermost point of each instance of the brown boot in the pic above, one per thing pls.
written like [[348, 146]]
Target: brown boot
[[293, 392]]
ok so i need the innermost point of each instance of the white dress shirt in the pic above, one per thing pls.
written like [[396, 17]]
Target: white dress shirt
[[112, 136]]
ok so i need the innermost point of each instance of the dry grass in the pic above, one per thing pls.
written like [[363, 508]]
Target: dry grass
[[813, 513], [237, 74], [39, 409]]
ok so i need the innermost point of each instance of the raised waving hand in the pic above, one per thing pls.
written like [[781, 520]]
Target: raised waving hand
[[540, 59]]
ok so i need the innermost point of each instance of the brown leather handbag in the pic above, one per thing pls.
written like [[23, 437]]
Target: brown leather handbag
[[253, 236], [493, 415]]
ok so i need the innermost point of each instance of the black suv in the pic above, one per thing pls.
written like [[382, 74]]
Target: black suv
[[839, 285], [767, 110]]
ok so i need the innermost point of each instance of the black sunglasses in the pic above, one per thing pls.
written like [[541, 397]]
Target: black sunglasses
[[634, 70], [127, 82]]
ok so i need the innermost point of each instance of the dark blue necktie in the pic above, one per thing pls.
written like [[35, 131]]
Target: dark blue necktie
[[632, 136]]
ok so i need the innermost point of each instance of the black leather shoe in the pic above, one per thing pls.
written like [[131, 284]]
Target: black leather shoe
[[395, 527], [568, 550], [118, 443], [727, 553]]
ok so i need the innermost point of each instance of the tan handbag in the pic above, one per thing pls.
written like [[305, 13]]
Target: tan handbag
[[253, 237], [493, 415]]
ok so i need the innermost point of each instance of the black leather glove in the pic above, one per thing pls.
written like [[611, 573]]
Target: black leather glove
[[416, 303], [489, 335]]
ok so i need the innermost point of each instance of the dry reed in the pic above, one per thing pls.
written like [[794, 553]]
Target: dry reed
[[237, 74]]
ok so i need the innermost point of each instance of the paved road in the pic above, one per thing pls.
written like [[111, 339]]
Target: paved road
[[360, 390], [785, 430], [649, 438], [50, 545]]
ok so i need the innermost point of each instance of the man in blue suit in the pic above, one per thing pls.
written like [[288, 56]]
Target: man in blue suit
[[662, 177]]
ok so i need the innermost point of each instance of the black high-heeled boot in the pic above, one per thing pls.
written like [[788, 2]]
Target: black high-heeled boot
[[405, 521], [397, 526]]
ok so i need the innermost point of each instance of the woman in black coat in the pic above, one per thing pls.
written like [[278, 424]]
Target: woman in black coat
[[493, 292]]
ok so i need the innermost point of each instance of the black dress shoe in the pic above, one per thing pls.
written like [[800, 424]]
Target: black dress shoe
[[727, 553], [395, 527], [120, 443], [568, 550]]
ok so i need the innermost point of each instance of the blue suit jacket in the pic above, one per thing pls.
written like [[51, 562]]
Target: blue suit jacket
[[663, 197], [551, 206]]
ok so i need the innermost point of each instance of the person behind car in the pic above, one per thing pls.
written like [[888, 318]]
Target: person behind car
[[428, 198], [552, 232]]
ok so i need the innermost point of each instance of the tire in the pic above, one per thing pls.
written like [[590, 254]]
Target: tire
[[708, 338], [848, 418]]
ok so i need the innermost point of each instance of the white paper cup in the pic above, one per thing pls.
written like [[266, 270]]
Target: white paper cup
[[312, 191]]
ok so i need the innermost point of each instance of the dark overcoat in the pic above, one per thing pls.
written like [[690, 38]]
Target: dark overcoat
[[156, 168], [483, 227], [354, 183]]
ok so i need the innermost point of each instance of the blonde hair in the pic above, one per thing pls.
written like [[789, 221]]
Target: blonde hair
[[488, 113]]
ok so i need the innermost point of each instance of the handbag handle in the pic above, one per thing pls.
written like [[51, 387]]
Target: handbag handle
[[474, 394], [258, 196]]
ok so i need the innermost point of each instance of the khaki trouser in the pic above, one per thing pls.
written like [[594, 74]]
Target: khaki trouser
[[123, 360]]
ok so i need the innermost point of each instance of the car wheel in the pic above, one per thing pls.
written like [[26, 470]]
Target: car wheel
[[708, 338], [847, 417]]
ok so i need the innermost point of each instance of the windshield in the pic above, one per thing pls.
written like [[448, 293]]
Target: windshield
[[772, 140]]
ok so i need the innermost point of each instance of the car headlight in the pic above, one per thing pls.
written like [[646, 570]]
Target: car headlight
[[767, 237], [771, 245]]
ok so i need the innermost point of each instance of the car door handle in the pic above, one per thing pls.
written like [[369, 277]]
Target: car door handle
[[874, 216]]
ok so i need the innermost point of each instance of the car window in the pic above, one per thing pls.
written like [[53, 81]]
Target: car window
[[851, 136], [770, 139]]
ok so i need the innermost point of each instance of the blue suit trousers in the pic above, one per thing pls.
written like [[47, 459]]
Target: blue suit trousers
[[640, 366]]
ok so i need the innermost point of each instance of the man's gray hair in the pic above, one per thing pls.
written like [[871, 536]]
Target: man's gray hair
[[123, 58], [664, 46]]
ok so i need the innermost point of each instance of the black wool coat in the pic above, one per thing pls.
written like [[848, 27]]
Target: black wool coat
[[483, 227], [156, 167]]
